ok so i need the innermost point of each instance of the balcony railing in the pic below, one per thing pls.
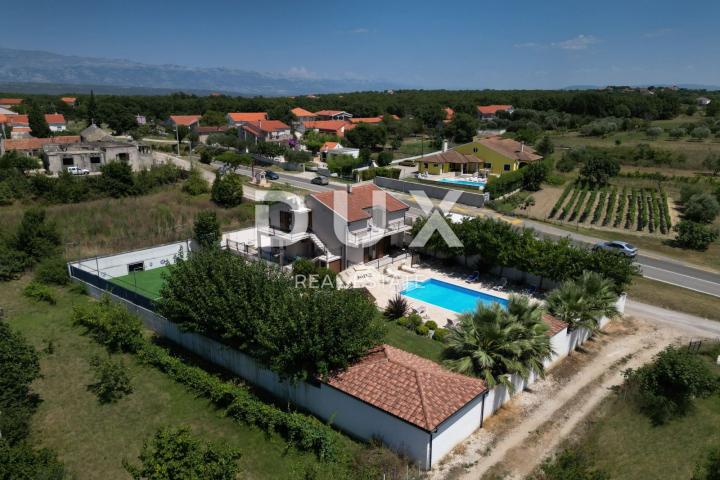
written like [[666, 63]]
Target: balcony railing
[[288, 236], [374, 232]]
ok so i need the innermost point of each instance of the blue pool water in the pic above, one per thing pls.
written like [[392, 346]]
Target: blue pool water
[[458, 181], [449, 296]]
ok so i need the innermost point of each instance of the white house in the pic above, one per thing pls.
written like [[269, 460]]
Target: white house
[[265, 131], [703, 101], [333, 115], [56, 122]]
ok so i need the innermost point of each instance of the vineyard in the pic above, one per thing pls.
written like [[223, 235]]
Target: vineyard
[[639, 209]]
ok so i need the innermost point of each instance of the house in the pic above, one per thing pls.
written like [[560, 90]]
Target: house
[[140, 119], [333, 115], [302, 115], [449, 161], [56, 122], [93, 133], [370, 120], [237, 119], [205, 132], [190, 121], [7, 112], [489, 112], [34, 146], [265, 131], [91, 155], [703, 101], [335, 127], [449, 114], [19, 121], [10, 102], [499, 155], [69, 101], [339, 228], [327, 147]]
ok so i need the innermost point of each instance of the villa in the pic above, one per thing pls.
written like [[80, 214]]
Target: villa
[[190, 121], [302, 115], [265, 131], [237, 119], [499, 155], [333, 115], [489, 112]]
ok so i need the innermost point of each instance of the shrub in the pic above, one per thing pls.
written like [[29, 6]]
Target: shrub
[[588, 206], [415, 319], [566, 164], [39, 292], [709, 467], [370, 173], [654, 132], [196, 183], [505, 183], [110, 325], [612, 198], [234, 159], [440, 334], [620, 212], [112, 380], [227, 190], [397, 307], [431, 325], [384, 158], [666, 388], [52, 270], [568, 206], [570, 465], [402, 322], [702, 208], [700, 133], [561, 199], [422, 330], [576, 208], [35, 236], [693, 235], [206, 229]]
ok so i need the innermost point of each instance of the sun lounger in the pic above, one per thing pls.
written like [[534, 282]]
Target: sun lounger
[[473, 277], [392, 273], [501, 286], [407, 268], [419, 309]]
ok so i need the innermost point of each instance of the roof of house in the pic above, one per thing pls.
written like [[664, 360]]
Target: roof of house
[[451, 156], [5, 111], [511, 148], [359, 200], [186, 120], [27, 144], [449, 113], [301, 112], [328, 125], [330, 113], [329, 146], [69, 99], [93, 133], [265, 126], [11, 101], [555, 326], [492, 109], [211, 129], [247, 116], [410, 387], [55, 118], [367, 120], [23, 120]]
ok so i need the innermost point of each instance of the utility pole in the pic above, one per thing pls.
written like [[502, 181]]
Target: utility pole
[[177, 138]]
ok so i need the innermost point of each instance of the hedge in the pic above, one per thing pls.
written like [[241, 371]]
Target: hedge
[[505, 183], [373, 172]]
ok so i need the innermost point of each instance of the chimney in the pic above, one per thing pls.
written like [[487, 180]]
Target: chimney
[[349, 188], [522, 147], [445, 146]]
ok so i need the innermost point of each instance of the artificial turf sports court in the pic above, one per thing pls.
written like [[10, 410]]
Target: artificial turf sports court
[[147, 282]]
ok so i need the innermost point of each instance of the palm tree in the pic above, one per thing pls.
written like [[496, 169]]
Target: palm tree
[[582, 302], [492, 342]]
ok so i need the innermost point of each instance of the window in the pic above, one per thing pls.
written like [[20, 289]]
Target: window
[[506, 167], [124, 157], [68, 161], [94, 159], [487, 165], [425, 165], [136, 267], [475, 149]]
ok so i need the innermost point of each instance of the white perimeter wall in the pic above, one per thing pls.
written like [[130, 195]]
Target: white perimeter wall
[[112, 266]]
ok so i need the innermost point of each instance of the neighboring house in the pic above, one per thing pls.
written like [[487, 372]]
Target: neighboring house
[[489, 112], [91, 156], [302, 115], [10, 102], [703, 101], [205, 132], [20, 121], [328, 147], [333, 115], [353, 152], [140, 120], [371, 120], [500, 155], [265, 131], [335, 127], [56, 122], [93, 133], [7, 112], [69, 101], [343, 227], [449, 114], [237, 119], [190, 121], [34, 146]]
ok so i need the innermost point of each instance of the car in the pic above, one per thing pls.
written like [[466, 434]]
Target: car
[[320, 180], [270, 175], [624, 248], [73, 170]]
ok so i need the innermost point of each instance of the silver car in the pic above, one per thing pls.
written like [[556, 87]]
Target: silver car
[[624, 248]]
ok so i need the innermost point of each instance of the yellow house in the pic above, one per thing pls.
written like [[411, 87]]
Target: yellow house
[[499, 155], [450, 161]]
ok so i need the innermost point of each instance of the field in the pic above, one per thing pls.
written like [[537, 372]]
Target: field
[[624, 443], [674, 298], [92, 439], [120, 224], [147, 283]]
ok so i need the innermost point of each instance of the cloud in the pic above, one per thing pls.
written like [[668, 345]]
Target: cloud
[[658, 33], [301, 72], [581, 42]]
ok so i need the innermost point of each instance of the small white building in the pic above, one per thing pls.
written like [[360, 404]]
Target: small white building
[[703, 101], [56, 122]]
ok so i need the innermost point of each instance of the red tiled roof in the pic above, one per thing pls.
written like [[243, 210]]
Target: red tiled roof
[[211, 129], [337, 126], [556, 326], [247, 116], [412, 388], [358, 201], [69, 99], [11, 101], [511, 148], [186, 120], [367, 120], [20, 120], [492, 109], [301, 112], [328, 113], [451, 156], [449, 113], [55, 118], [26, 144], [328, 146]]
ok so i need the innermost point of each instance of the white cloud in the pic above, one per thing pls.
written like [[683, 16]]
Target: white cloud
[[581, 42], [301, 72]]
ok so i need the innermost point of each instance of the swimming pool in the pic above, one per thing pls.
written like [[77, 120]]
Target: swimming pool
[[446, 295], [458, 181]]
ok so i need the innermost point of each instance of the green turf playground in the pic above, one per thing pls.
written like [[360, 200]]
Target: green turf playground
[[147, 283]]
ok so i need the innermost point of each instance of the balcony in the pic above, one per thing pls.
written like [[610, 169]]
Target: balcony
[[373, 233], [287, 237]]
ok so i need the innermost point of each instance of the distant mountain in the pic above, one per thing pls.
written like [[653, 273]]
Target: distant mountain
[[38, 68], [686, 86]]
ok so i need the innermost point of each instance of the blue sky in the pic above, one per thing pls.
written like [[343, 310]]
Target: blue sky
[[449, 44]]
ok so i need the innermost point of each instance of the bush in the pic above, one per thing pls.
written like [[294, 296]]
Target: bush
[[112, 380], [566, 164], [40, 293], [415, 319], [370, 173], [431, 325], [206, 230], [440, 334], [36, 237], [311, 275], [384, 158], [403, 322], [196, 183], [561, 199], [570, 465], [709, 467], [52, 270], [12, 262], [422, 330], [693, 235], [505, 183], [110, 325], [234, 159], [666, 388], [702, 208], [227, 190], [396, 308]]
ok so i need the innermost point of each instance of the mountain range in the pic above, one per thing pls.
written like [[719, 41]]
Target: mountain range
[[39, 69]]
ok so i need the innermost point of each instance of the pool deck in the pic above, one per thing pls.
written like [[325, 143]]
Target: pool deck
[[396, 278]]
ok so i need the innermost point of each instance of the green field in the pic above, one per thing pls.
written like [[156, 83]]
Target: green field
[[147, 283]]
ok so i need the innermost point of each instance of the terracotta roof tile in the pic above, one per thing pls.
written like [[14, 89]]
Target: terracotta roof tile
[[301, 112], [359, 201], [511, 148], [493, 109], [186, 120], [26, 144], [412, 388], [11, 101], [211, 129], [328, 113], [247, 116], [367, 120], [55, 118], [556, 326], [336, 126], [328, 146], [20, 120], [68, 100], [451, 156]]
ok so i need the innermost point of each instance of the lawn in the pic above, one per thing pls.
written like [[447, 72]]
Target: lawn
[[407, 340], [674, 298], [147, 283], [624, 443], [92, 440]]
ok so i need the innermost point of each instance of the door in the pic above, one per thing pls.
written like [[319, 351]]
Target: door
[[285, 220]]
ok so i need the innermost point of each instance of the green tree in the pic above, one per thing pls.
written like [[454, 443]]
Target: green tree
[[666, 388], [38, 125], [36, 237], [21, 461], [712, 163], [582, 302], [598, 170], [227, 190], [700, 133], [117, 179], [701, 208], [693, 235], [213, 118], [533, 176], [654, 132], [493, 341], [53, 271], [462, 128], [384, 158], [181, 132], [343, 164], [311, 275], [91, 111], [110, 324], [207, 229], [367, 136], [112, 380], [545, 146], [175, 454]]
